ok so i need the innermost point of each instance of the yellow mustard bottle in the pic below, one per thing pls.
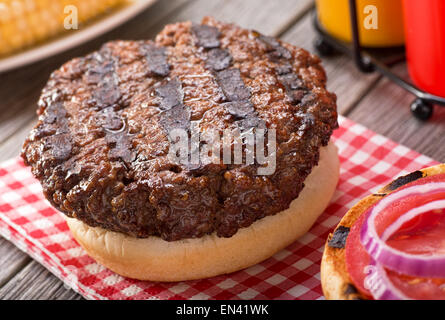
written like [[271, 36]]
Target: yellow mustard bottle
[[334, 18]]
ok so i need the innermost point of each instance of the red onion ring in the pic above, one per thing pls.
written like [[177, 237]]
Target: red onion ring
[[399, 261], [411, 214], [379, 285]]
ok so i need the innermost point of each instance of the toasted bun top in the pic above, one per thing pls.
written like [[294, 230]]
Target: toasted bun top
[[335, 279]]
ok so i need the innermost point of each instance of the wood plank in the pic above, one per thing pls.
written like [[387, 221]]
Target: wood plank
[[269, 17], [35, 282], [273, 18], [343, 77], [13, 145], [12, 261], [386, 110]]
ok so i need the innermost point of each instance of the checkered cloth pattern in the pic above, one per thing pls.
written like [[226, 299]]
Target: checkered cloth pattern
[[368, 160]]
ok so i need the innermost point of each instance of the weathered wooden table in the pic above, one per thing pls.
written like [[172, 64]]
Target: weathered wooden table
[[367, 99]]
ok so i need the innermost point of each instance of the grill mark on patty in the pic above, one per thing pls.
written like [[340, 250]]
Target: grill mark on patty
[[218, 59], [237, 94], [156, 58], [178, 117], [294, 86], [120, 147], [56, 132], [55, 120], [101, 73], [238, 97], [244, 114], [207, 36], [61, 146], [174, 114], [117, 137], [275, 50], [110, 120], [232, 85], [169, 94], [239, 109]]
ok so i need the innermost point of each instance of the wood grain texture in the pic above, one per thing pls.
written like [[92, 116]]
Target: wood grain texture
[[386, 110], [12, 261], [269, 17], [12, 146], [35, 282]]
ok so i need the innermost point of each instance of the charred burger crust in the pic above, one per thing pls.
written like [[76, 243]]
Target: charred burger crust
[[100, 146]]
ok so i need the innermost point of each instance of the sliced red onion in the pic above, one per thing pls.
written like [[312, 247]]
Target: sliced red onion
[[391, 258], [379, 285], [411, 214]]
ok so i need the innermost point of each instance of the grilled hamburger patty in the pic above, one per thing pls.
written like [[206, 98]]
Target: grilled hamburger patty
[[100, 146]]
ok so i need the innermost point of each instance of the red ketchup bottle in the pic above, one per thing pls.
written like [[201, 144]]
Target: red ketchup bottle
[[425, 43]]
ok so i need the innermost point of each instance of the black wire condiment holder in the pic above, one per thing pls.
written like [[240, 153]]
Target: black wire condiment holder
[[369, 60]]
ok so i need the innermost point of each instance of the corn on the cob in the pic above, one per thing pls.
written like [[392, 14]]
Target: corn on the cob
[[27, 22]]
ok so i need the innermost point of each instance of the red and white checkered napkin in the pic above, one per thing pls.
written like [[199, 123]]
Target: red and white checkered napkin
[[368, 161]]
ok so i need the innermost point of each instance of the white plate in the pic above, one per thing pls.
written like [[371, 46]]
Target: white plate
[[68, 41]]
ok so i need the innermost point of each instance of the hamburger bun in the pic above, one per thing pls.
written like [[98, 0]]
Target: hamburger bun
[[155, 259], [335, 279]]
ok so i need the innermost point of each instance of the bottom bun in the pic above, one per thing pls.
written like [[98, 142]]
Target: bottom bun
[[335, 279], [158, 260]]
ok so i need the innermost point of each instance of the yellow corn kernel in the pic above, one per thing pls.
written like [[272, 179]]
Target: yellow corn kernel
[[27, 22]]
